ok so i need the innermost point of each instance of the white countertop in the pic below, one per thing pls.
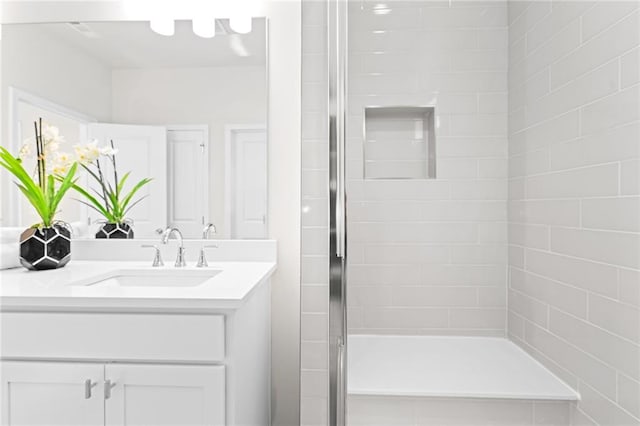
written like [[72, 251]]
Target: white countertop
[[62, 289]]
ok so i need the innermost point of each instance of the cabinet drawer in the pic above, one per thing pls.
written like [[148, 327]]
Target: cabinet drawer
[[140, 337]]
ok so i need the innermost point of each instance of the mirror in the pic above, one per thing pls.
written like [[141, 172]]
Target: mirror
[[187, 111]]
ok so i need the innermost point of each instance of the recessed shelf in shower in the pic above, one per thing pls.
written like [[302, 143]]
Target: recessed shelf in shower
[[399, 142]]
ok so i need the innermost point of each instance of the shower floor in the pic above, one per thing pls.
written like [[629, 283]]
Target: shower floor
[[449, 366]]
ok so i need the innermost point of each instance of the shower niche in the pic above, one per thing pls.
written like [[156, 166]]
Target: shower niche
[[399, 142]]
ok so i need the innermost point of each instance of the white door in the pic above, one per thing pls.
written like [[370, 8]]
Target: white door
[[165, 395], [188, 184], [143, 151], [52, 393], [249, 183]]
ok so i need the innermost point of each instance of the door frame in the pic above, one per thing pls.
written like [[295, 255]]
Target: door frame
[[229, 131], [16, 96], [208, 167]]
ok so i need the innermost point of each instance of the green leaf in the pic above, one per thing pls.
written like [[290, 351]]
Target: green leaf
[[135, 189]]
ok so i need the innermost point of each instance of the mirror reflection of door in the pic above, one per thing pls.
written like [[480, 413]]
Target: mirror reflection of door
[[247, 183]]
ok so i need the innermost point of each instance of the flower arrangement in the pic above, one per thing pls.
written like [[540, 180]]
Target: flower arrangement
[[111, 201], [55, 172]]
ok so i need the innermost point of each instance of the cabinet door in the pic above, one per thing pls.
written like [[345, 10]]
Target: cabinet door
[[164, 395], [51, 393]]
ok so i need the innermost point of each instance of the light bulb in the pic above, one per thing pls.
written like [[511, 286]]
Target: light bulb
[[164, 26], [204, 27], [240, 24]]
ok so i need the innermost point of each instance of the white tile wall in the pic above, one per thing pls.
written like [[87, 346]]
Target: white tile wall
[[398, 411], [314, 378], [574, 211], [429, 256]]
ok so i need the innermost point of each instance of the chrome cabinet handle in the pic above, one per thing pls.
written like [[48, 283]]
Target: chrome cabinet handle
[[87, 388], [108, 385]]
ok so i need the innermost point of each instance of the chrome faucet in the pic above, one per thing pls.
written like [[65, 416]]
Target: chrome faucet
[[202, 259], [180, 262], [207, 229]]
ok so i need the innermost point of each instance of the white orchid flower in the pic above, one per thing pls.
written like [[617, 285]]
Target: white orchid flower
[[108, 150], [51, 134], [25, 151]]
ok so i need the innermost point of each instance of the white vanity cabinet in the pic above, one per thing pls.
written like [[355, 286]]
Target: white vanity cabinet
[[138, 367], [83, 394]]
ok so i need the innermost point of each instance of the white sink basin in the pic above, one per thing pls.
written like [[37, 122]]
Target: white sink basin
[[152, 278]]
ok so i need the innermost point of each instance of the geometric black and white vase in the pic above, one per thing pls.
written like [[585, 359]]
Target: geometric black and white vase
[[115, 231], [45, 248]]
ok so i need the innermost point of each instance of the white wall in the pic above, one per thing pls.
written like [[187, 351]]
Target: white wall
[[574, 212], [213, 96], [284, 172], [429, 256], [38, 63]]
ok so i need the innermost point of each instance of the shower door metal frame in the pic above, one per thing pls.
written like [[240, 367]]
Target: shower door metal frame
[[337, 72]]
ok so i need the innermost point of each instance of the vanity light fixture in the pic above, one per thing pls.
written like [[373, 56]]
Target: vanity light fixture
[[163, 26], [204, 27], [241, 24]]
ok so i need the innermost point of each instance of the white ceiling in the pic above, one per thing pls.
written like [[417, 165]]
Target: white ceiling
[[135, 45]]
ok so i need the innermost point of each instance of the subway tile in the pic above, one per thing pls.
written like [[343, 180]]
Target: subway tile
[[463, 275], [603, 410], [380, 274], [535, 12], [434, 296], [492, 168], [608, 145], [561, 128], [630, 68], [315, 241], [620, 108], [603, 181], [479, 125], [492, 38], [479, 190], [563, 42], [401, 253], [615, 317], [471, 147], [529, 235], [480, 60], [465, 17], [477, 318], [479, 254], [314, 383], [629, 394], [608, 44], [630, 177], [492, 103], [603, 15], [551, 413], [584, 89], [492, 297], [594, 277], [616, 248], [406, 318], [314, 411], [516, 257], [314, 355], [380, 411], [564, 297], [414, 232], [563, 13], [314, 212], [629, 287], [577, 362], [545, 212], [315, 269], [515, 325], [609, 348], [314, 326], [613, 214], [529, 308], [370, 296], [314, 299]]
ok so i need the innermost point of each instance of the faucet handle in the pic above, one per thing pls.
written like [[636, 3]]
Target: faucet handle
[[157, 259], [202, 259]]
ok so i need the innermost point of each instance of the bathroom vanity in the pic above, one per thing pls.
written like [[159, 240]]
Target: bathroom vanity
[[114, 343]]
